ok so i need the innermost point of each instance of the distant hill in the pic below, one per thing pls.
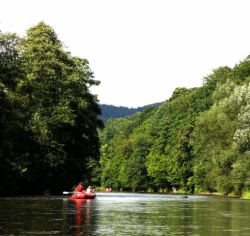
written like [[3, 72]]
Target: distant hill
[[111, 111]]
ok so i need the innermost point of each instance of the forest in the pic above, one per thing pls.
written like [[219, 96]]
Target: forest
[[197, 141], [52, 135], [111, 111], [48, 117]]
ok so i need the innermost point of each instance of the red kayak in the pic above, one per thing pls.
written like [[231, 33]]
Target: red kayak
[[83, 195]]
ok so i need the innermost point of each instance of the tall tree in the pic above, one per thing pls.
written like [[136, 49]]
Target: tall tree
[[60, 115]]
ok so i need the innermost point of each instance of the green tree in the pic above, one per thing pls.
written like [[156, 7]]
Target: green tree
[[55, 116], [222, 142], [125, 146]]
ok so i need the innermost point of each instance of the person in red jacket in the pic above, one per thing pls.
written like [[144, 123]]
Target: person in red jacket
[[79, 188]]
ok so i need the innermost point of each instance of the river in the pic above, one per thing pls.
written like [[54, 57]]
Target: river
[[125, 214]]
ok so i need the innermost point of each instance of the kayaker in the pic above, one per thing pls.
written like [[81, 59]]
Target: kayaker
[[108, 190], [90, 189], [79, 188]]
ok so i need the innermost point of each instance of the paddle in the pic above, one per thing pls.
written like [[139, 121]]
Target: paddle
[[65, 192]]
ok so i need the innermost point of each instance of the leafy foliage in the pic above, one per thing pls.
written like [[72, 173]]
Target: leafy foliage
[[196, 141], [49, 117]]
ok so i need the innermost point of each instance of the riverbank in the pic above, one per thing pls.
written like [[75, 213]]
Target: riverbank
[[245, 194]]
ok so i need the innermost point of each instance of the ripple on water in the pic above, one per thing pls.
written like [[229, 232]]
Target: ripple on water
[[41, 232]]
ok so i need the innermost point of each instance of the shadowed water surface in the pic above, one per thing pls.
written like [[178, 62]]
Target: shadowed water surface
[[125, 214]]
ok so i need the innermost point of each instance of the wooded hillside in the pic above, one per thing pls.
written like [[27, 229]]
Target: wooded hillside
[[196, 141], [111, 111]]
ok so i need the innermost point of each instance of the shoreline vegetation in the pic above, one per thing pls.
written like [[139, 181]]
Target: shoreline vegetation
[[197, 141], [245, 194]]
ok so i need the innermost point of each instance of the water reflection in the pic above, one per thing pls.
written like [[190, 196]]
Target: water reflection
[[31, 216], [125, 214], [82, 218], [173, 216], [79, 215]]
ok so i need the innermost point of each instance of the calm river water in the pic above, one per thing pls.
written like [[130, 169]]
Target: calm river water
[[125, 214]]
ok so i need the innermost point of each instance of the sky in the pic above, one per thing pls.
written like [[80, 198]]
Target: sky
[[141, 50]]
